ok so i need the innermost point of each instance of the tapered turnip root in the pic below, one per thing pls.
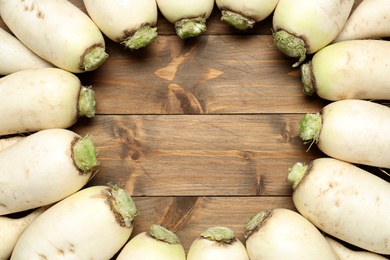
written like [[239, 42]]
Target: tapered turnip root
[[305, 26], [43, 168], [285, 234], [344, 201], [158, 243], [245, 13], [57, 31], [8, 141], [355, 69], [15, 56], [129, 22], [93, 223], [37, 99], [351, 130]]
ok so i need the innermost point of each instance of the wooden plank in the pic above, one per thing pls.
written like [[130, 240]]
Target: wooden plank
[[198, 155]]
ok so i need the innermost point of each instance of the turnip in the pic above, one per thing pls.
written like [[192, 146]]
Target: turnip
[[217, 243], [345, 253], [93, 223], [244, 14], [130, 22], [44, 168], [352, 130], [355, 69], [188, 16], [344, 201], [370, 19], [8, 141], [158, 243], [11, 229], [305, 26], [38, 99], [285, 234], [57, 31], [15, 56]]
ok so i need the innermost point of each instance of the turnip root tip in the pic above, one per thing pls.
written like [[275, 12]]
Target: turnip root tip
[[87, 102], [310, 126], [237, 20], [84, 154], [141, 38], [186, 28], [124, 206], [290, 45], [94, 58]]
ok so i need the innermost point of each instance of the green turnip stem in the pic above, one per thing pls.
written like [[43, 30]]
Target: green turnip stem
[[124, 206], [255, 222], [310, 127], [94, 58], [162, 234], [296, 173], [219, 234], [141, 38], [190, 27], [307, 78], [84, 154], [86, 105], [237, 20], [290, 45]]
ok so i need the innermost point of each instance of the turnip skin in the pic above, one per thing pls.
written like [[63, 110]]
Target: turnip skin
[[158, 243], [44, 168], [351, 130], [344, 201], [130, 22], [345, 253], [355, 69], [285, 234], [369, 20], [244, 14], [11, 230], [57, 31], [8, 141], [217, 243], [37, 99], [15, 56], [188, 16], [304, 26], [93, 223]]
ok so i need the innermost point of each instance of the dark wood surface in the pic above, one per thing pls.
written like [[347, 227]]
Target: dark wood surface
[[201, 132]]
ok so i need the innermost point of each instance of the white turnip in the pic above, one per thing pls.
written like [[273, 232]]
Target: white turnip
[[93, 223], [305, 26], [344, 201], [355, 69], [285, 234], [8, 141], [129, 22], [352, 130], [57, 31], [44, 168], [158, 243], [37, 99]]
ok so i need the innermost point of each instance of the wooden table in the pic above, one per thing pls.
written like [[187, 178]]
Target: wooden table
[[201, 132]]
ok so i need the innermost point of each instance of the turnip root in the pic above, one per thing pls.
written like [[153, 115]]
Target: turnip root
[[57, 31], [285, 234], [44, 168], [345, 253], [305, 26], [93, 223], [344, 201], [158, 243], [37, 99], [12, 228], [129, 22], [8, 141], [15, 56], [217, 243], [245, 13], [188, 16], [355, 69], [351, 130], [370, 19]]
